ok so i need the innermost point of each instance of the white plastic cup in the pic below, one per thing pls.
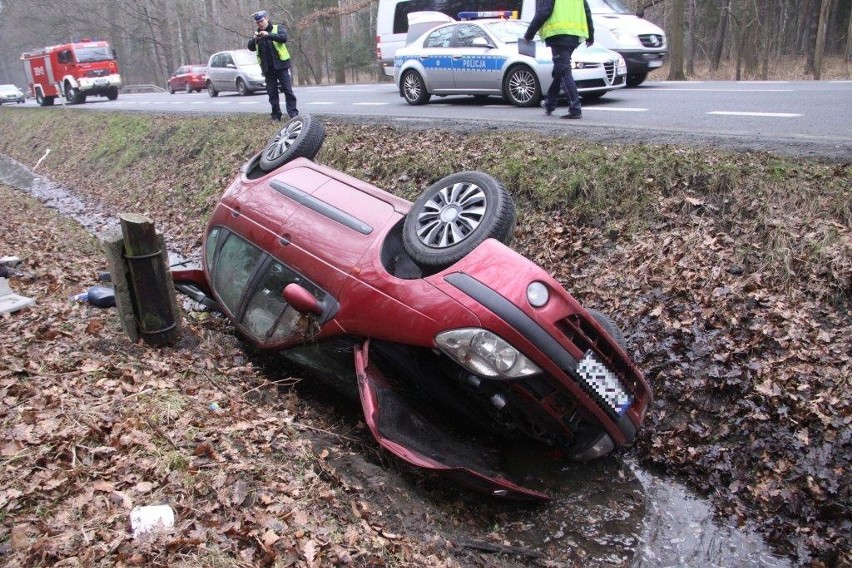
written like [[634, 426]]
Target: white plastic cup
[[144, 519]]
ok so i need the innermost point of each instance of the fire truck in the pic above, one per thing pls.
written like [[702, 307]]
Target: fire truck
[[73, 71]]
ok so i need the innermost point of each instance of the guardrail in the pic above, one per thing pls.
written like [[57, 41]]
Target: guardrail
[[129, 89]]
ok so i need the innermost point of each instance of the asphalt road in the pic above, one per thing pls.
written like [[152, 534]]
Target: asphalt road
[[799, 118]]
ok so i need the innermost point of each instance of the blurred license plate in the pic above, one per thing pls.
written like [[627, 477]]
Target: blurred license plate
[[657, 63], [101, 82]]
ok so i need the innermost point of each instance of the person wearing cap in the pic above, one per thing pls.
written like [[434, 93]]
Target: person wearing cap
[[563, 25], [274, 59]]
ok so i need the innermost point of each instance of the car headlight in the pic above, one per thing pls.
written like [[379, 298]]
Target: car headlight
[[485, 354], [621, 67]]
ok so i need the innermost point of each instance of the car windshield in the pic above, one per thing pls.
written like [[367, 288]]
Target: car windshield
[[508, 31], [244, 58], [608, 7], [90, 54]]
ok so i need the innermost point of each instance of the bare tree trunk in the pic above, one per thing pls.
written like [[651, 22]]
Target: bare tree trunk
[[819, 48], [725, 10], [693, 40], [849, 42], [676, 42]]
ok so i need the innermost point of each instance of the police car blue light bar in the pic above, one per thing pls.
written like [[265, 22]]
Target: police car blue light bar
[[505, 14]]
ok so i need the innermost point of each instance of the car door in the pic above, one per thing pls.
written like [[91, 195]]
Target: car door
[[179, 82], [476, 67], [436, 59], [229, 73], [215, 70]]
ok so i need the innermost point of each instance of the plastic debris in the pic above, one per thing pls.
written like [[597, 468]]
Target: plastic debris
[[214, 406], [148, 518], [98, 296], [11, 302]]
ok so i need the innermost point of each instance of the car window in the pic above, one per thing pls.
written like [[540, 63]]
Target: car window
[[267, 315], [440, 37], [228, 59], [245, 57], [197, 69], [467, 33], [508, 31], [216, 60], [235, 263]]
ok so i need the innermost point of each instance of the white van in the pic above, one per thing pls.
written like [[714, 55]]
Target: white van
[[641, 43]]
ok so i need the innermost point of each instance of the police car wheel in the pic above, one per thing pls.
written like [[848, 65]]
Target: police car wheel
[[611, 328], [300, 137], [522, 87], [454, 216], [414, 88]]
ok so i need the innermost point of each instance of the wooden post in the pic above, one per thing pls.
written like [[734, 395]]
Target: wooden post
[[151, 287]]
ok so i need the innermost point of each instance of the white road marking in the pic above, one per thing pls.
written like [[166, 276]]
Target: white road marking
[[221, 103], [769, 114], [248, 103], [616, 109], [730, 90], [369, 104]]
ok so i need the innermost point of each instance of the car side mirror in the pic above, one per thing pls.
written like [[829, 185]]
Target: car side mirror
[[480, 42], [231, 66], [301, 300]]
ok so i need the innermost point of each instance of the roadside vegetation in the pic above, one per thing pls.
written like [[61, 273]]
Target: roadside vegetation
[[731, 275]]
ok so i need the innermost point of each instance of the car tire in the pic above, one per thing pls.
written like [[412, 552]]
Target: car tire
[[188, 89], [112, 93], [73, 96], [636, 79], [610, 327], [454, 216], [42, 100], [300, 137], [521, 86], [414, 88], [241, 88], [170, 89], [211, 90]]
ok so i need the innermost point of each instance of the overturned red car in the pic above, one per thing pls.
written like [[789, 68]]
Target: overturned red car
[[420, 310]]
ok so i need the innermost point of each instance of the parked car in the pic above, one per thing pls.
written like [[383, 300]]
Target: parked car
[[419, 310], [481, 58], [11, 94], [235, 70], [188, 78]]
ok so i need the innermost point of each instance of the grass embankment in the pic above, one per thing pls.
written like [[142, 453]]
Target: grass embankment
[[730, 273]]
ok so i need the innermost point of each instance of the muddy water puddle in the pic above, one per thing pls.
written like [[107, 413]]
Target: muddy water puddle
[[610, 512]]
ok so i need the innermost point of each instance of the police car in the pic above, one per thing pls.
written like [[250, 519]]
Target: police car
[[479, 56]]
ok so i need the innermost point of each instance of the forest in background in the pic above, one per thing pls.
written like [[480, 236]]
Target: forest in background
[[333, 41]]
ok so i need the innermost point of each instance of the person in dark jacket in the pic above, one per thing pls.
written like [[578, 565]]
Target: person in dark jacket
[[269, 43], [563, 25]]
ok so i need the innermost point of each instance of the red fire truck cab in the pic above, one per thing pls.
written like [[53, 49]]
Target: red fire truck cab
[[72, 70]]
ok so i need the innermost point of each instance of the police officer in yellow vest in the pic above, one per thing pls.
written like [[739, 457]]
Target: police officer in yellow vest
[[274, 59], [563, 25]]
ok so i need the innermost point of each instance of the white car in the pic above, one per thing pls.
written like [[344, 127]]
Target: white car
[[481, 58], [10, 94]]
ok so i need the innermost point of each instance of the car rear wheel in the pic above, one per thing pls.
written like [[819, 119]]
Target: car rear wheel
[[610, 327], [211, 90], [522, 87], [454, 216], [300, 137], [414, 89], [635, 79], [241, 88]]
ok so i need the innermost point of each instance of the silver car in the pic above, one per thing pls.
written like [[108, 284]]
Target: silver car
[[481, 58], [10, 94], [235, 70]]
